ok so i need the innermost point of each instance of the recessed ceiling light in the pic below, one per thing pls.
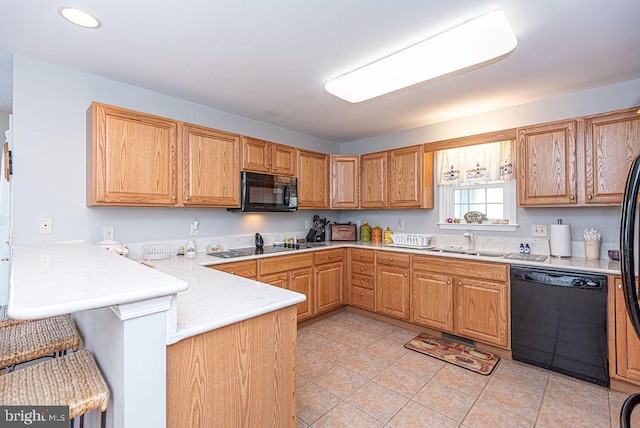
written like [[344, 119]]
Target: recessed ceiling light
[[486, 37], [79, 17]]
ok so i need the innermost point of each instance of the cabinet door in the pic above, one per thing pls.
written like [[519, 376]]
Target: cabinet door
[[627, 344], [482, 311], [313, 180], [612, 142], [283, 159], [392, 291], [328, 287], [256, 155], [547, 165], [373, 181], [405, 177], [133, 158], [432, 300], [301, 280], [211, 171], [345, 181]]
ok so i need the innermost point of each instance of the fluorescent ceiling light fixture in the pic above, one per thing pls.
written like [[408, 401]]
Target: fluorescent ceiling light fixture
[[471, 43], [79, 17]]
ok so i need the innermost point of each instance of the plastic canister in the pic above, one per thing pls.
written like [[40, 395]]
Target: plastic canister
[[376, 234], [387, 236], [365, 232]]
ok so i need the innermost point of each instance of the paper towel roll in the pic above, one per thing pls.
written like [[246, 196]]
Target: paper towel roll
[[560, 240]]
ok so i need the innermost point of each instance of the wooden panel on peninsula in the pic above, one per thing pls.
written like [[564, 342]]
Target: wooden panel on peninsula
[[239, 375]]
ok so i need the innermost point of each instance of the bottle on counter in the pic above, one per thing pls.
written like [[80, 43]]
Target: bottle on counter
[[365, 232], [388, 239], [376, 234], [191, 248]]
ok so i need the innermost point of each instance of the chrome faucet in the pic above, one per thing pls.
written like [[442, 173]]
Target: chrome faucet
[[471, 240]]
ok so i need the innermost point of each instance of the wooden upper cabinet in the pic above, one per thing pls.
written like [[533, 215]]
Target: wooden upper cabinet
[[611, 143], [211, 167], [267, 157], [345, 181], [410, 178], [547, 164], [373, 180], [313, 179], [132, 158]]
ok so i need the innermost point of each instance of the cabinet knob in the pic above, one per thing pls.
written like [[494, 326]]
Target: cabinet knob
[[232, 272], [448, 281], [620, 286], [187, 198], [405, 274], [459, 283], [361, 294], [330, 257], [391, 202], [590, 196], [361, 255], [174, 197], [362, 280], [572, 197], [361, 269], [390, 260]]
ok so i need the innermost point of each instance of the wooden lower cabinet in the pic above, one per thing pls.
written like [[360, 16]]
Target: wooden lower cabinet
[[432, 300], [482, 310], [467, 298], [393, 284], [624, 350], [239, 375], [328, 281], [300, 281]]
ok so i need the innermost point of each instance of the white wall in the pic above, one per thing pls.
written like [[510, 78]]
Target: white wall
[[4, 123], [599, 100], [49, 107]]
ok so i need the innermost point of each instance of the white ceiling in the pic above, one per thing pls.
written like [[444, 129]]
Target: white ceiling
[[269, 60]]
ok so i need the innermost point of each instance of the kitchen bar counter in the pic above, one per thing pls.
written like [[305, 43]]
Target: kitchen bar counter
[[55, 279]]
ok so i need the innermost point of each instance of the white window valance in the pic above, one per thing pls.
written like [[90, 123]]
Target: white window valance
[[476, 164]]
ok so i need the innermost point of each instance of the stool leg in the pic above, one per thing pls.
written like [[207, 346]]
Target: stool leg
[[72, 423], [103, 422], [82, 421]]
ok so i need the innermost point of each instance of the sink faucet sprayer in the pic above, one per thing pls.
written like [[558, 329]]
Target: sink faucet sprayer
[[471, 240]]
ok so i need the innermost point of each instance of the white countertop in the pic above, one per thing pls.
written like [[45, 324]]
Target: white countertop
[[572, 263], [215, 299], [55, 279]]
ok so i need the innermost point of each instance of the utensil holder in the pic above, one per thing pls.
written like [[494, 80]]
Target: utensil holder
[[592, 249]]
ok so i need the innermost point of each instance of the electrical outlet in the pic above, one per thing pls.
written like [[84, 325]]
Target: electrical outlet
[[45, 226], [400, 224], [307, 224], [108, 232], [538, 230]]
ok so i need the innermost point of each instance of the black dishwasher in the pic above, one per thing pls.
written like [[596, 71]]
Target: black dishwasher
[[559, 321]]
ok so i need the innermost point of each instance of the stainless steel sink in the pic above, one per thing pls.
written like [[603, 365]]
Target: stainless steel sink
[[466, 252]]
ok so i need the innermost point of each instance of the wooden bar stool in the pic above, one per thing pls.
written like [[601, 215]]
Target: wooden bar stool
[[22, 341], [72, 380]]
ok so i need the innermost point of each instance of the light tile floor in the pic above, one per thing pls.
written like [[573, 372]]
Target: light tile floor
[[355, 372]]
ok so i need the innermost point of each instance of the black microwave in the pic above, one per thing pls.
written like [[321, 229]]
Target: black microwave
[[267, 193]]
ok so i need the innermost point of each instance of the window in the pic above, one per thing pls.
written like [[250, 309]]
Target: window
[[477, 178]]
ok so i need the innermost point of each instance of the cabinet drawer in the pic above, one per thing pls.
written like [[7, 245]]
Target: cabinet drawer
[[362, 281], [358, 255], [393, 259], [362, 297], [247, 269], [453, 266], [328, 256], [363, 268], [285, 263]]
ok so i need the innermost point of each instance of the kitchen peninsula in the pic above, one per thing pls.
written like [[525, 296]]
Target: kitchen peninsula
[[127, 313]]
